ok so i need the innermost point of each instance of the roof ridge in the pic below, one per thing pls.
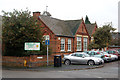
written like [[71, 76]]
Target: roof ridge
[[73, 20]]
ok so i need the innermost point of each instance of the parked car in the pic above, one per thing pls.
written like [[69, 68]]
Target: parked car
[[118, 50], [118, 53], [81, 58], [114, 52], [109, 57], [95, 54]]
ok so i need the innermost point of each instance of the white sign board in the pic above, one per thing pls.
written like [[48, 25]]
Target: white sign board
[[32, 46]]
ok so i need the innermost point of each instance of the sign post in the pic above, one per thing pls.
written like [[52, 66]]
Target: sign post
[[47, 42]]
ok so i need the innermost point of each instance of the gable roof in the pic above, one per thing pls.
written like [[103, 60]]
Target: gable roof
[[90, 28], [73, 25], [57, 26]]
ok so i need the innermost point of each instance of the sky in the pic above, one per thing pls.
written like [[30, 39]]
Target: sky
[[101, 11]]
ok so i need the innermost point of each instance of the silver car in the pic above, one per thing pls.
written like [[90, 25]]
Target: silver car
[[113, 57], [81, 58]]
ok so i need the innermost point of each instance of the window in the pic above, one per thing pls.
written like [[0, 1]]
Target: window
[[73, 55], [69, 44], [79, 55], [46, 37], [85, 44], [86, 55], [78, 43], [62, 44]]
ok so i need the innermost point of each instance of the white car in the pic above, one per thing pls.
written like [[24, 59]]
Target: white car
[[107, 57], [114, 57], [110, 57], [81, 58]]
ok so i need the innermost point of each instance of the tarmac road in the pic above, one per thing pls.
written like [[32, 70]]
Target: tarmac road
[[110, 70]]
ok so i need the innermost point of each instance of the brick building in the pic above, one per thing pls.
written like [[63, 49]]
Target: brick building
[[91, 27], [66, 36]]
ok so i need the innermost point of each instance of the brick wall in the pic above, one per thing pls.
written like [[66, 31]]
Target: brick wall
[[14, 61], [32, 61]]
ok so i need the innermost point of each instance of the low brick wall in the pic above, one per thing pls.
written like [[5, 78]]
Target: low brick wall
[[32, 61]]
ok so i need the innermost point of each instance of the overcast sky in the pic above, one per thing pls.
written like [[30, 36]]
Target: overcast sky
[[101, 11]]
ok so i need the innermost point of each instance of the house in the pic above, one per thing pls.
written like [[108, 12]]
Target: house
[[66, 36], [115, 35], [91, 28]]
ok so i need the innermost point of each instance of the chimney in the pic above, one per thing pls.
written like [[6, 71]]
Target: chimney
[[36, 14]]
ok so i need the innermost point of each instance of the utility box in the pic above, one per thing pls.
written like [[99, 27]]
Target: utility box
[[57, 61]]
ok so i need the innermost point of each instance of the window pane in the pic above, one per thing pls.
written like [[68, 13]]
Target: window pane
[[85, 44], [62, 44], [78, 43], [69, 44]]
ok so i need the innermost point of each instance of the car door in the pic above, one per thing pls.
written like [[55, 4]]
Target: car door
[[78, 59], [73, 58]]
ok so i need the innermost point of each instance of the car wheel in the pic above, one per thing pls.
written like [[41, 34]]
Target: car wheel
[[67, 62], [91, 62]]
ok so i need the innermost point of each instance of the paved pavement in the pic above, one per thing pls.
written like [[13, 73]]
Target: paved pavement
[[52, 68]]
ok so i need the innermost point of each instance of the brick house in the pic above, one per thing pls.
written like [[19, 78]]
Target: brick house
[[66, 36], [91, 28]]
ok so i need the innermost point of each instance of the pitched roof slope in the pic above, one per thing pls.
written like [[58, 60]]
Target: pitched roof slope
[[90, 28], [73, 25], [115, 35], [57, 26]]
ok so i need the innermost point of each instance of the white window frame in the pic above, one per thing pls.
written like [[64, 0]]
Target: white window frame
[[69, 44], [85, 39], [79, 43], [46, 37], [62, 45]]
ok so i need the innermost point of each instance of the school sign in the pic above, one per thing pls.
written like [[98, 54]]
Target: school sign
[[32, 46]]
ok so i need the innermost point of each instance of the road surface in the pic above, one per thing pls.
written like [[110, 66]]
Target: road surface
[[110, 70]]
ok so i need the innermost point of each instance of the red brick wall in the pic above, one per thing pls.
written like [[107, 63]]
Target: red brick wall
[[46, 31], [66, 45], [32, 61], [14, 61], [81, 31]]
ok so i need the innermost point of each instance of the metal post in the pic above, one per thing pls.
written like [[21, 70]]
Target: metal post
[[47, 55]]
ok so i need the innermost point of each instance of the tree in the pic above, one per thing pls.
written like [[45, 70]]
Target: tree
[[102, 37], [19, 27]]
